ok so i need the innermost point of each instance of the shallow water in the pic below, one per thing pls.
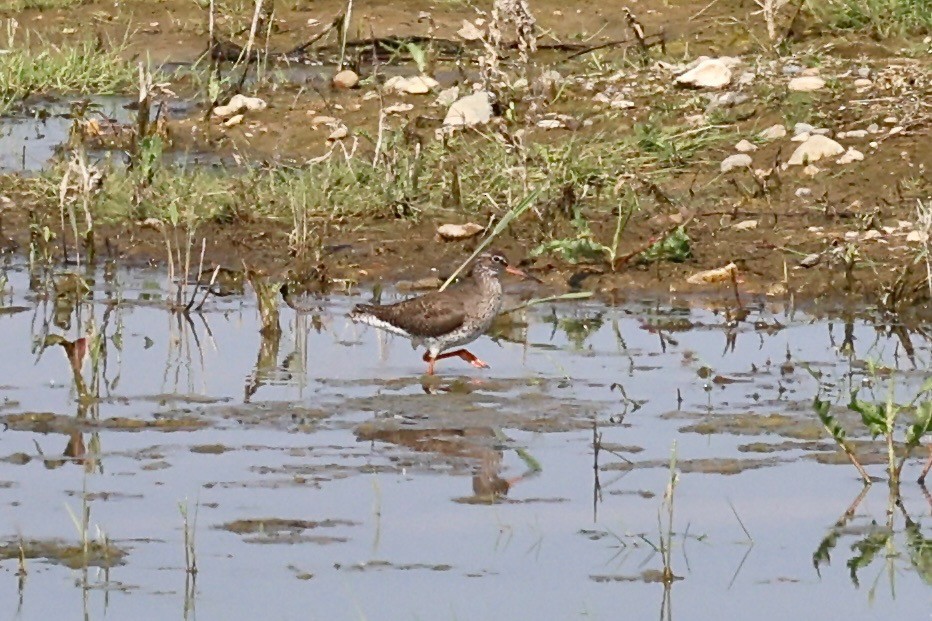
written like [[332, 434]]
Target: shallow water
[[31, 139], [479, 497]]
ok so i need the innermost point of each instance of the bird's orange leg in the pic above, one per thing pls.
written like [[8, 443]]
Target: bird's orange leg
[[928, 466], [430, 362], [465, 355]]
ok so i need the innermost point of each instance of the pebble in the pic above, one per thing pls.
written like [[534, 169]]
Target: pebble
[[239, 103], [773, 132], [414, 85], [851, 155], [708, 73], [803, 137], [745, 146], [345, 79], [806, 83], [814, 149], [398, 108], [873, 128], [550, 124], [864, 72], [620, 103], [791, 69], [803, 128], [236, 119], [471, 110], [745, 225], [917, 236], [459, 231], [738, 160], [811, 170], [863, 83], [321, 119], [896, 130], [447, 96], [803, 192], [854, 133], [890, 120], [339, 133]]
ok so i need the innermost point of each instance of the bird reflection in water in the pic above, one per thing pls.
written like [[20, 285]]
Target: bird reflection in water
[[481, 446]]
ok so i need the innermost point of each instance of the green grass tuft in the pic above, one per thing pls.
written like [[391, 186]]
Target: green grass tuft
[[883, 18], [83, 68]]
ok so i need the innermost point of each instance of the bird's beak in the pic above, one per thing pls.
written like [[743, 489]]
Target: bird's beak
[[525, 275]]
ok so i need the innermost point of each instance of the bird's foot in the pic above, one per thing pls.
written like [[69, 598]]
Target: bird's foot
[[470, 358]]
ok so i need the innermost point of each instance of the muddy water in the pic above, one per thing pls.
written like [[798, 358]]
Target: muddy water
[[328, 482], [31, 138]]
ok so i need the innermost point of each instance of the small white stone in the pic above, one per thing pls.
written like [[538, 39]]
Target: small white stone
[[236, 119], [471, 110], [896, 130], [239, 103], [890, 120], [550, 123], [447, 96], [863, 83], [398, 108], [459, 231], [773, 132], [806, 83], [803, 137], [854, 133], [803, 192], [811, 170], [745, 225], [738, 160], [745, 146], [803, 128], [339, 133], [814, 149], [917, 237], [871, 235], [321, 119], [873, 128], [709, 73], [414, 85], [851, 155]]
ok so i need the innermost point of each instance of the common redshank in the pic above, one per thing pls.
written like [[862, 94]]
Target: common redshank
[[455, 316]]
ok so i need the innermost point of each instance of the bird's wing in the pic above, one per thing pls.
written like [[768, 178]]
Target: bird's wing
[[427, 316]]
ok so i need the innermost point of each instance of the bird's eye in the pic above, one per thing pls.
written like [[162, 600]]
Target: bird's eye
[[499, 258]]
